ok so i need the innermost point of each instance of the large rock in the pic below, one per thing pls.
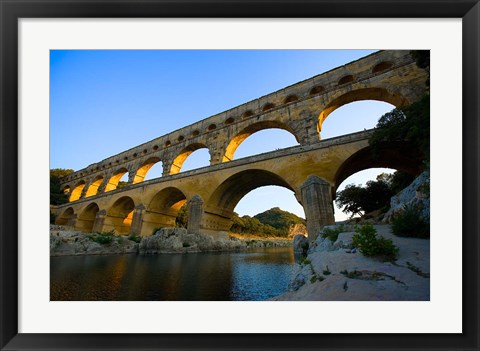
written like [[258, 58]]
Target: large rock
[[412, 195], [70, 242], [338, 274], [300, 244], [171, 240]]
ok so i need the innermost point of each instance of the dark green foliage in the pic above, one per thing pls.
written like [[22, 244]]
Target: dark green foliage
[[57, 196], [185, 245], [422, 57], [103, 238], [410, 223], [182, 217], [52, 218], [358, 199], [121, 184], [411, 123], [375, 195], [332, 234], [371, 245], [135, 238]]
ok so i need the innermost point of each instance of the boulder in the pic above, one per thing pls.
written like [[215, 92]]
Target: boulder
[[300, 244]]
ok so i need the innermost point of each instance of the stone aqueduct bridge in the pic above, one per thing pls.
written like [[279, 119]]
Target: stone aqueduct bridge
[[313, 170]]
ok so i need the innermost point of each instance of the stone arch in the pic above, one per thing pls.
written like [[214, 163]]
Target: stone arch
[[65, 217], [120, 215], [66, 189], [183, 155], [86, 219], [379, 94], [401, 156], [115, 178], [77, 191], [227, 195], [235, 142], [93, 188], [162, 209], [144, 168]]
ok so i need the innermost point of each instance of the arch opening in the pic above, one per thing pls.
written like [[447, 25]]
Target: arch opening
[[120, 215], [151, 168], [219, 207], [261, 212], [382, 66], [77, 191], [376, 94], [86, 219], [366, 165], [163, 210], [66, 190], [118, 180], [93, 188], [267, 142], [65, 217], [200, 159]]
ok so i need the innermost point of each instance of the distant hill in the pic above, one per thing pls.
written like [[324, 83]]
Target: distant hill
[[279, 218], [273, 222]]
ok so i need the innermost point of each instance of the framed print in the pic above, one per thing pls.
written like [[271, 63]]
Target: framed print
[[102, 88]]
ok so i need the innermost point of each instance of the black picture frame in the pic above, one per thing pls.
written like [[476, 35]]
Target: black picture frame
[[11, 11]]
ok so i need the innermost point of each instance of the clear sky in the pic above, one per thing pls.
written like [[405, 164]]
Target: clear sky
[[103, 102]]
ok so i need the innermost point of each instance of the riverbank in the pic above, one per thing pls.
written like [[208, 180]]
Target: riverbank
[[333, 271], [67, 242]]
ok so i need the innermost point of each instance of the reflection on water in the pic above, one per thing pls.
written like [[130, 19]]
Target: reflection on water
[[253, 275]]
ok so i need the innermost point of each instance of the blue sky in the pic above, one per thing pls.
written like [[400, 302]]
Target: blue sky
[[103, 102]]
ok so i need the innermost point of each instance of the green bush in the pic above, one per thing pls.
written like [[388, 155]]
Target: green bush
[[332, 234], [409, 223], [103, 237], [371, 245], [135, 238]]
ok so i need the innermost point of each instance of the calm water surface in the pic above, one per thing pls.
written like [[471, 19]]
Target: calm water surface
[[254, 275]]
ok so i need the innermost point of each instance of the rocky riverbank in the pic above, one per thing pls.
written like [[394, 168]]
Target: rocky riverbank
[[66, 242], [332, 270]]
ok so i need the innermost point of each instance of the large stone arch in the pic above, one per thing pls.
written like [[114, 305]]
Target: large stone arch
[[115, 178], [240, 137], [94, 186], [120, 215], [87, 217], [66, 217], [378, 94], [401, 156], [77, 191], [220, 205], [162, 209], [183, 155], [142, 171]]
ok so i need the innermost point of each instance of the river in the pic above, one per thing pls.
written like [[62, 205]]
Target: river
[[254, 275]]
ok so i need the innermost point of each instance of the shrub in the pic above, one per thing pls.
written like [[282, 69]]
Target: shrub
[[332, 234], [371, 245], [410, 223], [103, 237], [135, 238]]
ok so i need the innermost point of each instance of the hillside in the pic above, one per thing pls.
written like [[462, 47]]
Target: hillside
[[273, 222]]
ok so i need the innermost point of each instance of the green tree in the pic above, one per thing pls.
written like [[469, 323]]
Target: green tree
[[57, 196], [376, 195], [408, 124]]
